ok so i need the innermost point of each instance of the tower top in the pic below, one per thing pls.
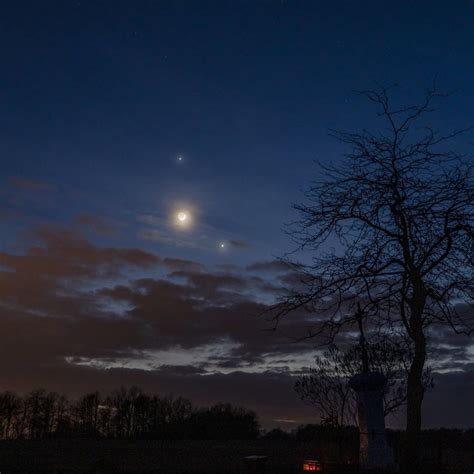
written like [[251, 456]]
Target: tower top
[[362, 343]]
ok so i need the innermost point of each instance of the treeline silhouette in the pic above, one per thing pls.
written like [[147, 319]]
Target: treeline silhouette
[[124, 413], [449, 438], [443, 448]]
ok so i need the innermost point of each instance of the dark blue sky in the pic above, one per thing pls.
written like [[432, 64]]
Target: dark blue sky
[[99, 97], [97, 101]]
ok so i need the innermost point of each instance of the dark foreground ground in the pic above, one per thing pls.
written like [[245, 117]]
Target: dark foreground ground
[[117, 456]]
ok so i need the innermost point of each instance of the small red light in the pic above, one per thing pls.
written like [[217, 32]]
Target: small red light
[[312, 466]]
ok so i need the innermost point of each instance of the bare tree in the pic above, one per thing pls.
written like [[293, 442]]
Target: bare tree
[[326, 384], [326, 388], [10, 408], [86, 412], [398, 211]]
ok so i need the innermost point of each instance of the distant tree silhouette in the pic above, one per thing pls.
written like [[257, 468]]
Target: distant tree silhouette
[[392, 227], [124, 413], [172, 417], [85, 413], [10, 409]]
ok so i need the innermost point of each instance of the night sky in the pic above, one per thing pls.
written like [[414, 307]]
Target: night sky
[[151, 151]]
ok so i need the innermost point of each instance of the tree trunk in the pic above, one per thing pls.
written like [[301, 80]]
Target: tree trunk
[[415, 393]]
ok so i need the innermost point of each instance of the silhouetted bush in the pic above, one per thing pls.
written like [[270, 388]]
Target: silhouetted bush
[[224, 421]]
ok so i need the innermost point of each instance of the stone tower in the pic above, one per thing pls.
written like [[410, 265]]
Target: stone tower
[[374, 452]]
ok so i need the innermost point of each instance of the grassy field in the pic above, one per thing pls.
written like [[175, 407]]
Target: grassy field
[[146, 456], [114, 456]]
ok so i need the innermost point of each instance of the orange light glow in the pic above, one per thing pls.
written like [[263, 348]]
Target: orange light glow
[[313, 466]]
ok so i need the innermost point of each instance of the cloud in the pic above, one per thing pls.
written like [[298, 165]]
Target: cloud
[[238, 244], [25, 197], [154, 235], [64, 285], [179, 264], [31, 186], [95, 223], [77, 316], [276, 266], [200, 235], [151, 220], [64, 336], [63, 253]]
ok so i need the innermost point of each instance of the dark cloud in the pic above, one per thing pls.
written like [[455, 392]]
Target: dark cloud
[[238, 244], [193, 315], [212, 283], [66, 303], [52, 328], [63, 253], [179, 264], [44, 289]]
